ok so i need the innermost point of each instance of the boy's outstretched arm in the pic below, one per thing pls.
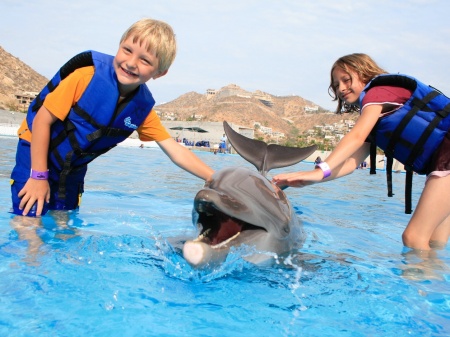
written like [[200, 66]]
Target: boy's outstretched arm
[[185, 159]]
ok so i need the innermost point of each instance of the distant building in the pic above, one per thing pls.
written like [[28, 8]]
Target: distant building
[[234, 90], [278, 134], [168, 116], [24, 99], [266, 130], [311, 108], [213, 131], [231, 90], [210, 93]]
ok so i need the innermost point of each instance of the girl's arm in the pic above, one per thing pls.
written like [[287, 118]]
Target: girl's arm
[[185, 159], [344, 159], [38, 190]]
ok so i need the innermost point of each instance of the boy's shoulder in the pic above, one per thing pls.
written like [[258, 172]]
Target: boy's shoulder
[[84, 71], [80, 75], [70, 88]]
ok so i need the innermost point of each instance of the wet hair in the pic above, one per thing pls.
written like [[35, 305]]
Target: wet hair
[[363, 65], [159, 38]]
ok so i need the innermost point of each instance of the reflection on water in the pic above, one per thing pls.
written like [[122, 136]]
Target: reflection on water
[[424, 265], [31, 230]]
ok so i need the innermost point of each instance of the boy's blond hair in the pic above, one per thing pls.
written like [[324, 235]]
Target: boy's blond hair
[[363, 65], [159, 38]]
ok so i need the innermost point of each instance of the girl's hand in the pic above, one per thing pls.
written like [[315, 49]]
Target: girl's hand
[[298, 179], [34, 191]]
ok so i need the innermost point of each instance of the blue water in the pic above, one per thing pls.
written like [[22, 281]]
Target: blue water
[[109, 270]]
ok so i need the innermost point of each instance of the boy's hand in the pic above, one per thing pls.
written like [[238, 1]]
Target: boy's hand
[[34, 191]]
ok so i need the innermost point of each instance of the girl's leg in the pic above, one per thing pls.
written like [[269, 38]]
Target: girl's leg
[[429, 221], [441, 234]]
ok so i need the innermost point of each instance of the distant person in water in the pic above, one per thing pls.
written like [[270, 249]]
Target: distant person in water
[[223, 144], [94, 102], [400, 110], [318, 160]]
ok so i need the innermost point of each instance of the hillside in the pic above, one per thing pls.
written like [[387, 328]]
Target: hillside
[[290, 115], [16, 77], [287, 114]]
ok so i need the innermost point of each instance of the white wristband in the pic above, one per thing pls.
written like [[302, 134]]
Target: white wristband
[[325, 169]]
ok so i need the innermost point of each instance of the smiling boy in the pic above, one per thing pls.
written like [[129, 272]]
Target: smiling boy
[[94, 102]]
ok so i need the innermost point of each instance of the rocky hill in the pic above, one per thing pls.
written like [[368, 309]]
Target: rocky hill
[[15, 78], [290, 115], [287, 114]]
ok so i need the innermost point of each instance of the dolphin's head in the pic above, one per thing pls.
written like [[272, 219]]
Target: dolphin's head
[[240, 206], [237, 199]]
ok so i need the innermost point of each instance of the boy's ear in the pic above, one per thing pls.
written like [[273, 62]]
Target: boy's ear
[[160, 74]]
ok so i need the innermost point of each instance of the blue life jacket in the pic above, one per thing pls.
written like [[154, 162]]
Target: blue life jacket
[[412, 133], [96, 123]]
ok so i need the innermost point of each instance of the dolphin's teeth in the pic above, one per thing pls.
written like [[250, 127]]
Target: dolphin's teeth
[[223, 243], [203, 235]]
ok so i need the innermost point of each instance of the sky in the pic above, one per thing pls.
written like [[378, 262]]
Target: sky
[[280, 47]]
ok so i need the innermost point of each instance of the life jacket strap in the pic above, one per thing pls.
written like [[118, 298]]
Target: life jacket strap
[[87, 117], [102, 130], [38, 100], [78, 61], [417, 106], [107, 132], [418, 147], [408, 191], [389, 164], [373, 157], [63, 176]]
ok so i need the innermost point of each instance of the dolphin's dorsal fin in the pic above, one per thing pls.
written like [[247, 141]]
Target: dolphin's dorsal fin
[[266, 157]]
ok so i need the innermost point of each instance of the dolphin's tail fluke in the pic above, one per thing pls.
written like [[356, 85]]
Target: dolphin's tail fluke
[[266, 157]]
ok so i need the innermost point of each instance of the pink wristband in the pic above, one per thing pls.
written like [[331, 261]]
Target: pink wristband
[[325, 168], [39, 175]]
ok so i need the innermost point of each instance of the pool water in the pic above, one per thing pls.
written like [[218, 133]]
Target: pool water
[[110, 270]]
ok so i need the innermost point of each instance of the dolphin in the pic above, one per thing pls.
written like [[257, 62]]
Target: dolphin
[[240, 206]]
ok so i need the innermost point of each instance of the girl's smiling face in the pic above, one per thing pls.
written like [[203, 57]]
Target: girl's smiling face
[[135, 65], [347, 85]]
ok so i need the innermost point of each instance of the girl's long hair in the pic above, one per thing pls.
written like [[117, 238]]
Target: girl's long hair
[[363, 65]]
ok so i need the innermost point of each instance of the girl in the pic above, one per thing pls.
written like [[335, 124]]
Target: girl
[[398, 109]]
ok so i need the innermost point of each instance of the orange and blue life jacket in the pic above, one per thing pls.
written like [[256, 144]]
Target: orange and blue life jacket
[[96, 123]]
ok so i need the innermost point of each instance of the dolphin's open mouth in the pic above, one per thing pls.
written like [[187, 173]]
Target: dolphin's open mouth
[[218, 228]]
